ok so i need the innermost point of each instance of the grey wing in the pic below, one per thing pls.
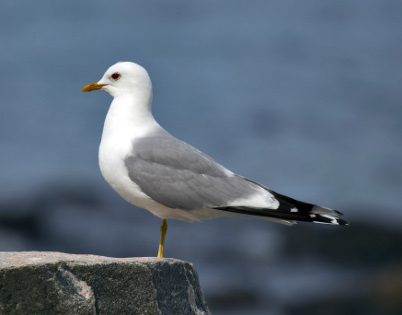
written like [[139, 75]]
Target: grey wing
[[177, 175]]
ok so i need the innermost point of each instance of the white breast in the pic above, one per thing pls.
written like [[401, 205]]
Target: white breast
[[121, 129]]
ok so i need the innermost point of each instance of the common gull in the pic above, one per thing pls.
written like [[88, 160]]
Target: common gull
[[153, 170]]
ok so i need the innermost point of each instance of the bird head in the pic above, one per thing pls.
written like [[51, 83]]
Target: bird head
[[121, 79]]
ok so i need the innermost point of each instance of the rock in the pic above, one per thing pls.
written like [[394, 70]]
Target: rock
[[58, 283]]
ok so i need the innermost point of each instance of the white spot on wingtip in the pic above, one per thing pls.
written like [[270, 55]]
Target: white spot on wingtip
[[294, 210], [333, 219]]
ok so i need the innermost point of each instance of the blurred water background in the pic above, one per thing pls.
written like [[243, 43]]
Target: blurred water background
[[302, 96]]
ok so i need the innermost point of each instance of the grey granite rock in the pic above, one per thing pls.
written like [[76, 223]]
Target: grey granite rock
[[58, 283]]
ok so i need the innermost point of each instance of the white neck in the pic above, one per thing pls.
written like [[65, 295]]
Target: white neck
[[129, 117]]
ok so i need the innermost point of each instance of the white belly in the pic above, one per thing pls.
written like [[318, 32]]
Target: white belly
[[111, 163]]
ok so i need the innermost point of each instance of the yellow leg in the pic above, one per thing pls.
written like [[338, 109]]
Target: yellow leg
[[162, 239]]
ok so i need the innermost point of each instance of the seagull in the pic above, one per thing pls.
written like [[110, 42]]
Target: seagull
[[152, 169]]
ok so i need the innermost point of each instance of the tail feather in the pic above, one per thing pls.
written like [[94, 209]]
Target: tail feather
[[291, 210], [310, 212], [288, 218]]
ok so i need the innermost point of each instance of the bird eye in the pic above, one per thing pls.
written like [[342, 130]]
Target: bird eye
[[115, 76]]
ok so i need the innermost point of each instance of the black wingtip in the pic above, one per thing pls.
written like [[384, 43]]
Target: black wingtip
[[342, 222], [328, 219]]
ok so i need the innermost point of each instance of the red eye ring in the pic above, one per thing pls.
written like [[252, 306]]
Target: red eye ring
[[115, 76]]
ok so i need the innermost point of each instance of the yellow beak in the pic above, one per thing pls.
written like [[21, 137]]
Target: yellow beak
[[92, 86]]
